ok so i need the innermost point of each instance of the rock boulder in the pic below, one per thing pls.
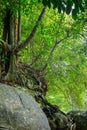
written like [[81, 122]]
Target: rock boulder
[[19, 111]]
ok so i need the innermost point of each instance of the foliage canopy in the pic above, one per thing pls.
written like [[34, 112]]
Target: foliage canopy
[[69, 6]]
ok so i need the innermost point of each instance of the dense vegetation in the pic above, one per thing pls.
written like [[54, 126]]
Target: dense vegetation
[[50, 41], [59, 46]]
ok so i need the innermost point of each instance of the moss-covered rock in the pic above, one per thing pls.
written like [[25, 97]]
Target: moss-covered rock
[[79, 118]]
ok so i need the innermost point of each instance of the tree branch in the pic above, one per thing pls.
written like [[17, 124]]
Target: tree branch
[[52, 50], [35, 59], [30, 37], [4, 45]]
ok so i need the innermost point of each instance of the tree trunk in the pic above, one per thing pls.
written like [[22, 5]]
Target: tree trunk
[[4, 37], [17, 28], [0, 66], [19, 22], [15, 31], [12, 36], [11, 58], [11, 75]]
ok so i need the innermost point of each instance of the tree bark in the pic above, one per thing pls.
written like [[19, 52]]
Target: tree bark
[[17, 26], [0, 66], [19, 23], [11, 58], [4, 37], [15, 31], [10, 38]]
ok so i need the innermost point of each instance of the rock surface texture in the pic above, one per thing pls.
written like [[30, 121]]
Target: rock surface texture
[[19, 111]]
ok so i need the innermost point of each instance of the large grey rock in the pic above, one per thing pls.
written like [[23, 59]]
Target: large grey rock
[[19, 111]]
